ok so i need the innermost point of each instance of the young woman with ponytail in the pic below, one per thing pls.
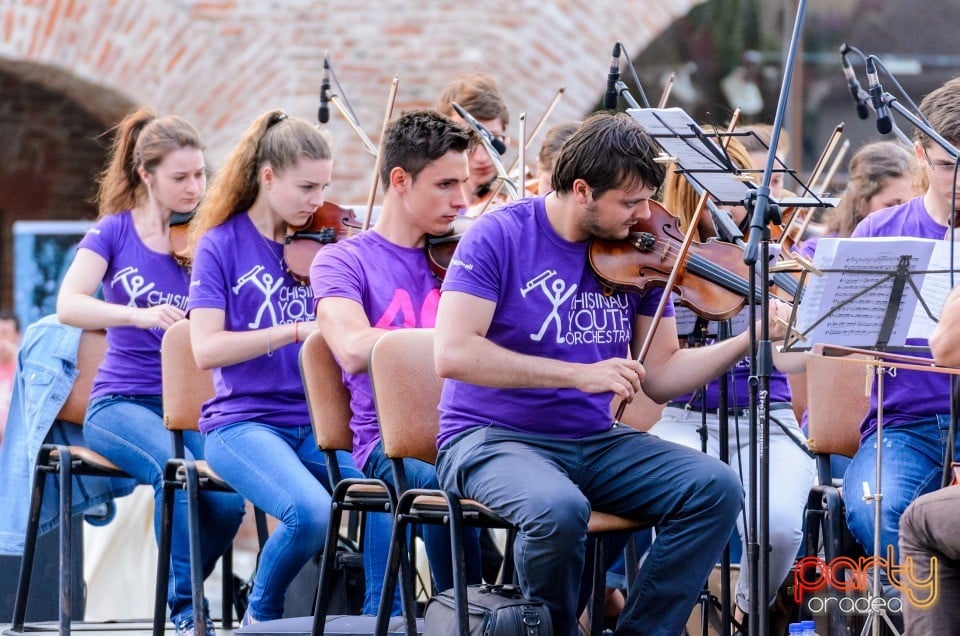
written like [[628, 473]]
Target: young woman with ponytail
[[156, 168], [248, 318]]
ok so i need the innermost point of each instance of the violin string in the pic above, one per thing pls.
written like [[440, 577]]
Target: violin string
[[724, 277], [719, 275]]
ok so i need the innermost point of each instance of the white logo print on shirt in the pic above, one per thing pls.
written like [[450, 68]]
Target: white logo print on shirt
[[557, 293], [267, 285], [132, 283]]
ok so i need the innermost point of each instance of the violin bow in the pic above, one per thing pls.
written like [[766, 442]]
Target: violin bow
[[834, 166], [536, 128], [815, 174], [666, 91], [675, 272], [391, 100]]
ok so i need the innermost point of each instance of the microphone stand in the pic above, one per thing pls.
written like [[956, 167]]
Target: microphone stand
[[763, 212]]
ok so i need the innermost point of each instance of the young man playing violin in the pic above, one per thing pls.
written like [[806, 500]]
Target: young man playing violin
[[480, 96], [380, 280], [533, 348]]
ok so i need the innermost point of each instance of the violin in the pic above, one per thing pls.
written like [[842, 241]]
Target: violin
[[712, 281], [329, 224], [439, 249], [180, 236]]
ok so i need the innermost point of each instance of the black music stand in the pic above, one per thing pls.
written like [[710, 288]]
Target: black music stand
[[700, 158], [888, 290]]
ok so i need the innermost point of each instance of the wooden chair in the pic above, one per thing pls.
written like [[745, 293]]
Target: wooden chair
[[185, 388], [406, 391], [65, 461], [328, 401], [837, 401]]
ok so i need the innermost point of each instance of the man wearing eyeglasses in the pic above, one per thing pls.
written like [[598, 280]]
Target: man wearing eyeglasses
[[916, 405], [480, 96]]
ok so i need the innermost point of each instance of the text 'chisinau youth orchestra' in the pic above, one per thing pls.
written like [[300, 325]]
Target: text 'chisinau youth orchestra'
[[561, 396]]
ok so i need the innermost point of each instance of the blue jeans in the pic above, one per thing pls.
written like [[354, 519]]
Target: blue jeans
[[546, 486], [436, 539], [128, 430], [912, 464], [282, 472]]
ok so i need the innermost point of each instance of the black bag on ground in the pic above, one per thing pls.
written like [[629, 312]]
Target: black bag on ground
[[492, 610]]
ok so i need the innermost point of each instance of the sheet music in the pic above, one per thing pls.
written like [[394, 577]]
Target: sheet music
[[871, 263], [700, 157]]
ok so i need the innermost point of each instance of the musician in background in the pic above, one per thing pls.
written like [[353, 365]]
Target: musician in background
[[916, 405], [380, 280], [248, 318], [534, 350], [156, 168], [549, 150], [479, 95], [881, 174]]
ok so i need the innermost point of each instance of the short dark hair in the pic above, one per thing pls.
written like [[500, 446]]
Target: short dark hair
[[608, 151], [417, 138], [942, 109]]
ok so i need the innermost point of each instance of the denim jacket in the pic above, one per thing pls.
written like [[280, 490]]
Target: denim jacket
[[46, 369]]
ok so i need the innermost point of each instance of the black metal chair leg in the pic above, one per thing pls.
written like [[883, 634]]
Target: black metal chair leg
[[193, 526], [66, 545], [325, 585], [30, 541], [167, 496], [599, 586]]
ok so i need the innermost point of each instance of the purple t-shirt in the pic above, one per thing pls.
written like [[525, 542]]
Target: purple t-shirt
[[909, 395], [240, 271], [549, 304], [396, 289], [738, 387], [136, 276]]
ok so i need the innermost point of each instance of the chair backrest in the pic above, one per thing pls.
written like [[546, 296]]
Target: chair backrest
[[327, 398], [185, 385], [90, 353], [837, 402], [406, 389]]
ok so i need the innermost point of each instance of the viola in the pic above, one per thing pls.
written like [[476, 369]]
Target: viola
[[440, 249], [329, 224], [712, 280], [180, 236]]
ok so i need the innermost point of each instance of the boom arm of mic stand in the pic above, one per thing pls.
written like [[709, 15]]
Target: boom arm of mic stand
[[893, 103], [624, 91]]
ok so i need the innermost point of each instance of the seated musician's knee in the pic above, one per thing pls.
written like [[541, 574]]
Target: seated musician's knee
[[559, 516]]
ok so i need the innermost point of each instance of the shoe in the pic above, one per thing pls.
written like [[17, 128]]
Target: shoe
[[186, 627], [248, 619]]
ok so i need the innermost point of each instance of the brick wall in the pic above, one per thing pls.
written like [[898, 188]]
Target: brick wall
[[221, 62]]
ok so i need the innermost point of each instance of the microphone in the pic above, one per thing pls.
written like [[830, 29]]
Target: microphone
[[324, 113], [853, 84], [884, 123], [497, 144], [610, 98]]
